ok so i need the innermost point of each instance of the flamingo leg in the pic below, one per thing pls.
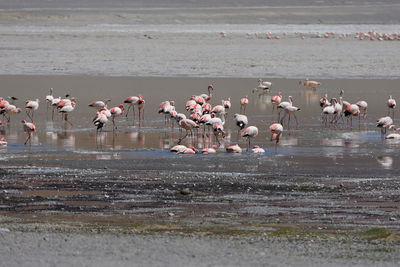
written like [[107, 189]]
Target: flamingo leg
[[28, 139], [297, 123], [66, 119], [127, 112]]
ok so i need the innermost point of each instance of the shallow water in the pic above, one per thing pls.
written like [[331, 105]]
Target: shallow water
[[311, 147]]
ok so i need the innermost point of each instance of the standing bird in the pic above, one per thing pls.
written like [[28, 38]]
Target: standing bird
[[276, 131], [288, 111], [133, 101], [66, 109], [218, 128], [208, 97], [116, 112], [353, 111], [100, 121], [384, 123], [243, 103], [329, 111], [28, 128], [49, 99], [283, 105], [240, 120], [249, 132], [276, 100], [363, 106], [227, 103], [31, 106], [308, 83], [391, 103], [262, 87], [188, 125]]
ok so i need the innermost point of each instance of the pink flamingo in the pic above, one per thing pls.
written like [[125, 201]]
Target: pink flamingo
[[100, 121], [276, 100], [384, 123], [257, 150], [395, 135], [363, 106], [240, 120], [391, 103], [208, 97], [353, 111], [283, 105], [116, 112], [99, 104], [66, 109], [276, 131], [28, 128], [290, 110], [188, 125], [218, 128], [210, 150], [3, 141], [234, 149], [308, 83], [227, 103], [243, 103], [31, 106], [249, 132]]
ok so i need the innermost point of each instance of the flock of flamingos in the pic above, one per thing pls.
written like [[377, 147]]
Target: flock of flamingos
[[202, 114]]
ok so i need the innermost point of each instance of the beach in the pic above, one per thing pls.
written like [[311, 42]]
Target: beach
[[326, 194]]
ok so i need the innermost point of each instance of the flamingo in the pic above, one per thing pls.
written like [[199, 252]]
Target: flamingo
[[283, 106], [177, 148], [308, 83], [227, 103], [28, 128], [262, 87], [276, 131], [99, 104], [243, 103], [188, 125], [290, 110], [49, 99], [353, 111], [66, 110], [11, 109], [363, 106], [31, 106], [208, 97], [329, 111], [100, 121], [234, 149], [257, 150], [391, 103], [140, 106], [249, 132], [276, 100], [240, 120], [218, 129], [395, 135], [324, 102], [210, 150], [116, 112], [3, 141], [384, 123]]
